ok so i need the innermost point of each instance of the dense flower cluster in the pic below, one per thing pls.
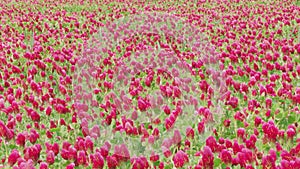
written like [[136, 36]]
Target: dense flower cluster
[[257, 45]]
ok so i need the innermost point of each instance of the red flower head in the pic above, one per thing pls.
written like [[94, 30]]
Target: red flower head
[[97, 160], [207, 158], [20, 140], [111, 162], [89, 144], [50, 158], [201, 127], [44, 165], [13, 157], [180, 158], [225, 156], [211, 142], [241, 132], [176, 137], [190, 132], [82, 158], [139, 163], [70, 166]]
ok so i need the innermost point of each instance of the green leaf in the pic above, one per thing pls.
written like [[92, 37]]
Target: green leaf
[[217, 162], [283, 122], [239, 124], [54, 129], [291, 119], [99, 98], [12, 146], [223, 165], [169, 166], [156, 163], [146, 125]]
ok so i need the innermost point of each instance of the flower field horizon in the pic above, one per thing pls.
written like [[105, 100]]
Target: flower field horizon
[[150, 84]]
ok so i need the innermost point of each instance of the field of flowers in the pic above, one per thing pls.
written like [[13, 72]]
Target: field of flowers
[[149, 84]]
